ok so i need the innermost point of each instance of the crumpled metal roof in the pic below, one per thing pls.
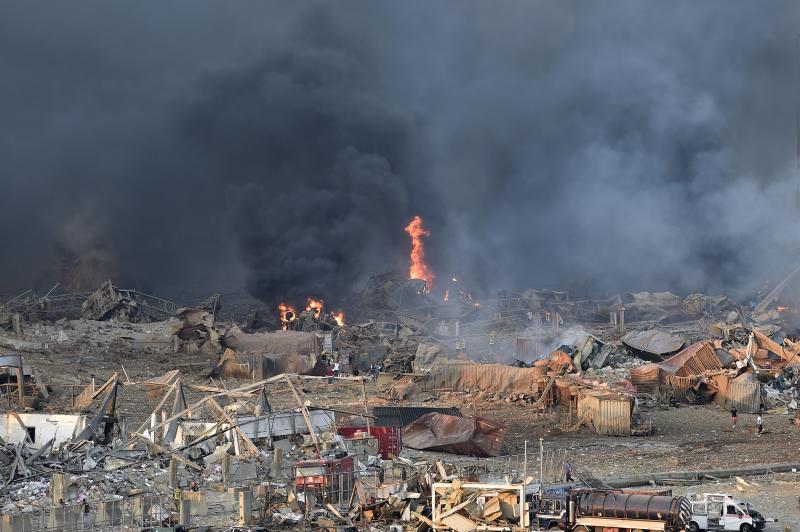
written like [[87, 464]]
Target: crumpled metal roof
[[653, 341], [458, 435], [693, 360]]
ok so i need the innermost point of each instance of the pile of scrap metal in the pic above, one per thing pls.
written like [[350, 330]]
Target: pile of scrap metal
[[726, 373], [589, 352], [392, 345], [109, 302], [29, 306]]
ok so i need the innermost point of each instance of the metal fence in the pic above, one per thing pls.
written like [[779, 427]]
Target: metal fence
[[551, 465], [139, 512]]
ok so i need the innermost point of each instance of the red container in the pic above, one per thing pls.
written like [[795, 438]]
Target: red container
[[389, 440]]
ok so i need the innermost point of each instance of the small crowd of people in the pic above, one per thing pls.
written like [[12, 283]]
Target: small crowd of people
[[759, 421], [333, 372]]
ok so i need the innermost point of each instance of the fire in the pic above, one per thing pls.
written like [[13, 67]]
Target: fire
[[417, 268], [288, 314], [446, 295], [782, 308], [315, 305], [339, 317]]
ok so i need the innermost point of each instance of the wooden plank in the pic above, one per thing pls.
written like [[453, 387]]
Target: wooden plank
[[459, 523], [549, 385], [160, 404], [422, 518], [250, 445], [24, 428], [306, 417], [457, 507], [586, 415], [40, 385], [85, 400]]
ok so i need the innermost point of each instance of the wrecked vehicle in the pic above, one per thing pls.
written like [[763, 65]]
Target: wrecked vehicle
[[584, 510], [720, 511], [326, 475]]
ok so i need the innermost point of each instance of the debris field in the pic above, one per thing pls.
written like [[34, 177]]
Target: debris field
[[415, 411]]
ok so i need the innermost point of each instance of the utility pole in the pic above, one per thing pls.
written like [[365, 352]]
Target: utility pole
[[541, 466]]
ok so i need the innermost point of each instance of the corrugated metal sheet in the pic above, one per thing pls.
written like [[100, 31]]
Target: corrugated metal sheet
[[450, 434], [491, 378], [679, 386], [614, 418], [654, 342], [400, 416], [693, 360], [611, 416], [745, 396], [646, 378]]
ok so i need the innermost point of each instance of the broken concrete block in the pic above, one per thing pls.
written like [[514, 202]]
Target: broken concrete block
[[243, 471]]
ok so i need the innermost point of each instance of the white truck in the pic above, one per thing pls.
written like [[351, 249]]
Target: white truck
[[721, 511]]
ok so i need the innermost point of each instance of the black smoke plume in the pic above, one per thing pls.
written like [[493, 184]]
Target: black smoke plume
[[597, 146]]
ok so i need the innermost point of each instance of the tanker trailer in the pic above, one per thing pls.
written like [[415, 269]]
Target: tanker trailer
[[588, 510]]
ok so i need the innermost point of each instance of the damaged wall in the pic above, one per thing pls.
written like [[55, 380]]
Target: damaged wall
[[42, 427], [491, 378]]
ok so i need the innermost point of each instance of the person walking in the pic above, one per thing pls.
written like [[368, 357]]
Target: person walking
[[733, 416], [760, 424], [336, 369]]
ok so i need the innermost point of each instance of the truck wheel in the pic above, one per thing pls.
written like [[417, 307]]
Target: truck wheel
[[694, 527], [581, 528], [746, 528]]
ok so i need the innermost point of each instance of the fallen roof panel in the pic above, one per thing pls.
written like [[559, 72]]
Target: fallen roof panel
[[458, 435]]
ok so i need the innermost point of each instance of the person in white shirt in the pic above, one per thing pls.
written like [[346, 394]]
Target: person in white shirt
[[760, 424], [335, 369]]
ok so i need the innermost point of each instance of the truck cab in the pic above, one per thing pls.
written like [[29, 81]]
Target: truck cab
[[549, 512], [721, 511]]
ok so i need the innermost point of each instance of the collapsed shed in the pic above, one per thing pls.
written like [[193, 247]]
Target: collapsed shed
[[696, 375], [609, 413]]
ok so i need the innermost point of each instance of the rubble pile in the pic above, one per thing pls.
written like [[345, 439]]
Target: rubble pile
[[405, 416]]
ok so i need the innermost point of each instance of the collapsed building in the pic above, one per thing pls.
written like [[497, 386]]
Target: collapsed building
[[246, 423]]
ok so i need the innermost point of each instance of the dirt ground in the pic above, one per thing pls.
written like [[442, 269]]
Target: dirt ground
[[686, 438]]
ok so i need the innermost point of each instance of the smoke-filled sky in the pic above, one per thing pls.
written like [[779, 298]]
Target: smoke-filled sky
[[284, 146]]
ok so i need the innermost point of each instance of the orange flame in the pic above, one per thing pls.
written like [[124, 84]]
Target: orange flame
[[288, 314], [418, 269], [782, 308], [446, 295], [316, 305], [339, 317]]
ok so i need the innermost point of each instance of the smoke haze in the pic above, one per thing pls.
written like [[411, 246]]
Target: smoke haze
[[284, 147]]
